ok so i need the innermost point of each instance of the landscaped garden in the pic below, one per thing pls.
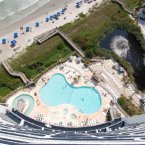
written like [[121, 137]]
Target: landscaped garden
[[89, 31], [129, 107]]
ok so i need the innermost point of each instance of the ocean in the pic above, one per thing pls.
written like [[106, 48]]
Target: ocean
[[14, 10]]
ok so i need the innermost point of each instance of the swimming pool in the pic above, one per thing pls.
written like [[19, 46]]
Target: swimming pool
[[27, 98], [58, 91]]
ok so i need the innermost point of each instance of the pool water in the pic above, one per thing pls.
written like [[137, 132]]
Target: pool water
[[25, 97], [58, 91]]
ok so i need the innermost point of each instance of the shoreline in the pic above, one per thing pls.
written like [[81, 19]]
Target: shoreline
[[43, 10], [26, 39]]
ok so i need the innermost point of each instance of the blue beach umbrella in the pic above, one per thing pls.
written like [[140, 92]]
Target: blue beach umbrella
[[27, 29], [62, 11], [4, 40], [47, 19], [51, 17], [78, 6], [58, 13], [55, 16], [15, 35], [37, 24], [13, 43]]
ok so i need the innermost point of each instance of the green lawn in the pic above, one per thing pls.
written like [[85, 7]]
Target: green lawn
[[89, 31], [40, 57], [7, 83], [33, 62]]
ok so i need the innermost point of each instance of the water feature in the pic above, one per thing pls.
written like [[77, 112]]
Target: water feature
[[120, 46], [58, 91], [25, 97], [124, 45]]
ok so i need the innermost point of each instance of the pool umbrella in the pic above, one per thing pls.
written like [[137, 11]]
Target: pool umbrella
[[27, 29], [4, 40], [37, 24], [121, 70], [47, 19], [73, 116], [15, 35], [61, 66], [13, 43], [78, 60], [39, 117]]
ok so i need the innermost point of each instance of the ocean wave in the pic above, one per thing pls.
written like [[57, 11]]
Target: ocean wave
[[1, 1], [22, 6], [10, 7], [18, 9]]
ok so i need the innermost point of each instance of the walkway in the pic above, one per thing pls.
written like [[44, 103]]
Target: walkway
[[47, 35], [16, 74]]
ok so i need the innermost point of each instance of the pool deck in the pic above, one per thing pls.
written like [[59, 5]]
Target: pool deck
[[110, 86], [115, 83], [59, 115]]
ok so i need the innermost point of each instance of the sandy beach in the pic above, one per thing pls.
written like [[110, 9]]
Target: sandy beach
[[42, 11], [26, 39]]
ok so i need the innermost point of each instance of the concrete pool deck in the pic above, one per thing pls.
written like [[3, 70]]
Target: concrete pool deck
[[110, 85], [57, 115]]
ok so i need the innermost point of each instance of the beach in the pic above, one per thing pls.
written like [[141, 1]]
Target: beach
[[26, 39], [42, 11]]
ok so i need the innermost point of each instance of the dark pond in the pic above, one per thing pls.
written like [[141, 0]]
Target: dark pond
[[134, 55]]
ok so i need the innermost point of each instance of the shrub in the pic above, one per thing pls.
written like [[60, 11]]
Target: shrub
[[82, 15], [128, 106]]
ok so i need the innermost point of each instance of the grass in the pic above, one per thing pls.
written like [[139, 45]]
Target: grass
[[89, 32], [33, 62], [7, 83], [129, 107], [40, 57]]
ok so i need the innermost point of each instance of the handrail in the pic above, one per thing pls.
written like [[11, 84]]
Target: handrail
[[14, 73], [47, 35]]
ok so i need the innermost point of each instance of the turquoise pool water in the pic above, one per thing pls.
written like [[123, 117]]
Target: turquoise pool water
[[29, 99], [58, 91]]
